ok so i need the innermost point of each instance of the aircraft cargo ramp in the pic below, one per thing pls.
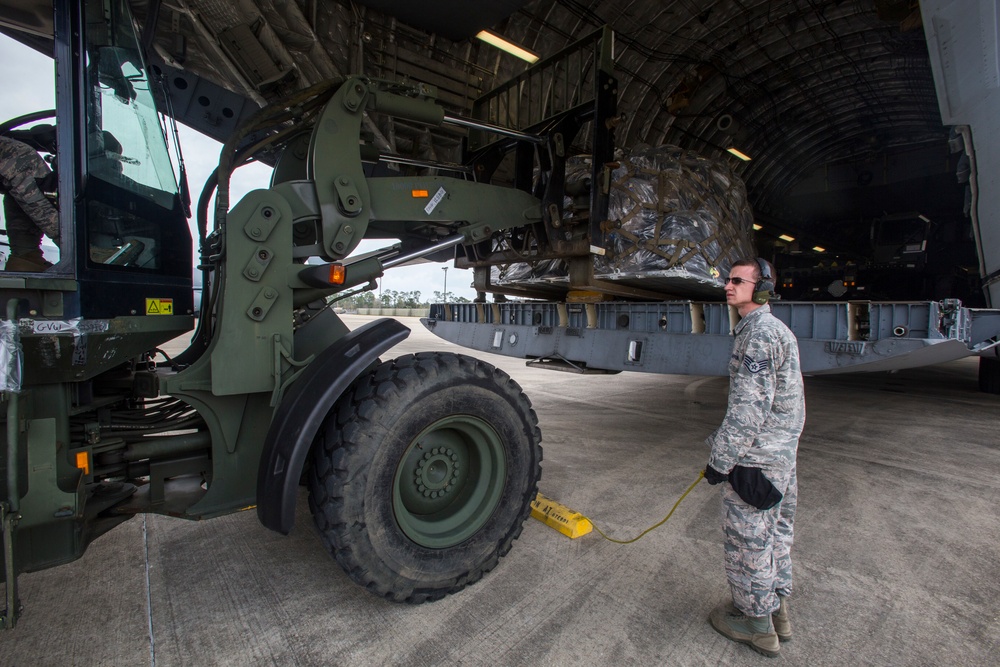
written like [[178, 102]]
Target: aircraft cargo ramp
[[687, 337]]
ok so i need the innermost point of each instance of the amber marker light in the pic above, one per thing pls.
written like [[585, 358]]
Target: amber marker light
[[419, 193], [337, 274], [83, 462]]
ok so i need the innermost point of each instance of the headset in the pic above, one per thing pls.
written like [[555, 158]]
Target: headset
[[764, 289]]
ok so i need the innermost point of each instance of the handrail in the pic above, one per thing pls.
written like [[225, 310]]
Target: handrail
[[10, 506]]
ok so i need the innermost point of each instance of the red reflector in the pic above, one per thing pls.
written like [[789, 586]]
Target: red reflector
[[337, 274]]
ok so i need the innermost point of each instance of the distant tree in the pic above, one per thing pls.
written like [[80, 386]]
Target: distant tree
[[412, 299], [362, 300], [439, 297]]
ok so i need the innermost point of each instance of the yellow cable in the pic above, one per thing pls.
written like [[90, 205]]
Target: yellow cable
[[653, 527]]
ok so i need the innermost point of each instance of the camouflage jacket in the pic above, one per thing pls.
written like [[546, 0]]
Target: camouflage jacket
[[767, 407], [20, 169]]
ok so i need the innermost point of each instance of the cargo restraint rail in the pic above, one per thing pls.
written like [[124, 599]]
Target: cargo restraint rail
[[694, 338]]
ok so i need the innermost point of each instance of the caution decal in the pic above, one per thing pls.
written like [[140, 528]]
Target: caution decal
[[159, 306]]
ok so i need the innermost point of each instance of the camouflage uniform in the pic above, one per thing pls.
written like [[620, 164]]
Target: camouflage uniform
[[761, 429], [28, 212]]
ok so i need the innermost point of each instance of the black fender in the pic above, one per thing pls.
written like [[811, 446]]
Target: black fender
[[303, 410]]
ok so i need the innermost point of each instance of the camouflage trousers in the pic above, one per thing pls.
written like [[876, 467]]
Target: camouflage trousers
[[757, 549]]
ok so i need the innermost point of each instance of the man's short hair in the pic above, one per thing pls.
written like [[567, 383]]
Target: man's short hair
[[752, 263]]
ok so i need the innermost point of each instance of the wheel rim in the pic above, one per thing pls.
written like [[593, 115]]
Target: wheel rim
[[449, 481]]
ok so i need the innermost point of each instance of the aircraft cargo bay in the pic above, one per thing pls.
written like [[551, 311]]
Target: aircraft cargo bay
[[895, 548]]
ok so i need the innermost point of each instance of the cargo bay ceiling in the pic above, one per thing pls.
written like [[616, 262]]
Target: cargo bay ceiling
[[833, 101]]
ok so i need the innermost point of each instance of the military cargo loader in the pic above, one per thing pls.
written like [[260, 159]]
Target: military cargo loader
[[420, 470]]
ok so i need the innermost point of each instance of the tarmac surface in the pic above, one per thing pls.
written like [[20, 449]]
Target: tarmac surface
[[896, 556]]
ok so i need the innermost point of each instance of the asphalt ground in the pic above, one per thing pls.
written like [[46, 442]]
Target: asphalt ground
[[895, 554]]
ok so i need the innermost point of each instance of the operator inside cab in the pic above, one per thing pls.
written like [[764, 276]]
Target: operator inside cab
[[128, 190], [29, 206]]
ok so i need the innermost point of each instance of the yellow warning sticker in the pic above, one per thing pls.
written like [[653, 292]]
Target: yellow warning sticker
[[159, 306]]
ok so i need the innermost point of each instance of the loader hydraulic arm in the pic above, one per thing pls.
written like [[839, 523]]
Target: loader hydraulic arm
[[349, 205]]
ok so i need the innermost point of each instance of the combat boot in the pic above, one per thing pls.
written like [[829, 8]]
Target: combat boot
[[32, 261], [758, 632], [782, 626]]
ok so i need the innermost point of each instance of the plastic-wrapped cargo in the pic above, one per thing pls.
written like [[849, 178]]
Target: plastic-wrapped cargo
[[10, 357], [678, 221]]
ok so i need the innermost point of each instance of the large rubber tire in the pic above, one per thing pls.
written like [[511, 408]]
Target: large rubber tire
[[423, 474]]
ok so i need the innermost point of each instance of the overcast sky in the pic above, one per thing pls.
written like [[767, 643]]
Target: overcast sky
[[28, 87]]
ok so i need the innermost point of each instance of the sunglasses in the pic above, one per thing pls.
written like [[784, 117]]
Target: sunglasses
[[738, 281]]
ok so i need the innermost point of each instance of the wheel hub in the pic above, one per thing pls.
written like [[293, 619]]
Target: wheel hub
[[437, 472], [449, 481]]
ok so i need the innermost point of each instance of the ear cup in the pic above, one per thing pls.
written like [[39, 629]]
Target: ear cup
[[765, 287]]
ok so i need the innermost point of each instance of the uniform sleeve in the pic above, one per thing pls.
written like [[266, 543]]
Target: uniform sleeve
[[751, 394]]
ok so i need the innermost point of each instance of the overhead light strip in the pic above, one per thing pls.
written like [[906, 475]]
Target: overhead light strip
[[739, 154], [509, 47]]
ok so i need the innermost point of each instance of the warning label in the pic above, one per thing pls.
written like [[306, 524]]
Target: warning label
[[159, 306]]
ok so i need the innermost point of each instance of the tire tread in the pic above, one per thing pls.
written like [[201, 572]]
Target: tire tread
[[337, 455]]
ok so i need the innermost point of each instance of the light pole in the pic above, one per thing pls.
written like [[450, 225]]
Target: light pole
[[445, 269]]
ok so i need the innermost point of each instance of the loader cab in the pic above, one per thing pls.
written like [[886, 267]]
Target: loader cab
[[124, 239]]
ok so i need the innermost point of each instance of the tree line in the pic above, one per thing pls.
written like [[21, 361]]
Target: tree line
[[395, 299]]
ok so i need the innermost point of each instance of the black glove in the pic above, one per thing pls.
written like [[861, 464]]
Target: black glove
[[713, 476], [754, 488]]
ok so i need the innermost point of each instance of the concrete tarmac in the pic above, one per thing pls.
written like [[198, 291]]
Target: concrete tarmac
[[895, 553]]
